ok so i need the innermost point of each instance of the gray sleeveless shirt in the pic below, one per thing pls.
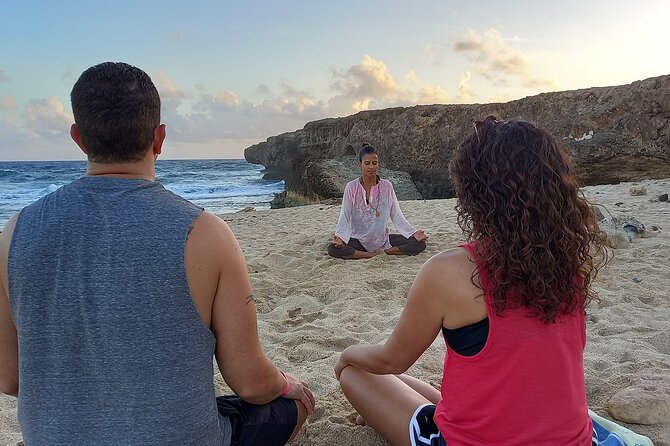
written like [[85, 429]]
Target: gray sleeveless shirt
[[112, 350]]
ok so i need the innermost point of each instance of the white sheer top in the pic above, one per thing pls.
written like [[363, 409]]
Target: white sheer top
[[367, 221]]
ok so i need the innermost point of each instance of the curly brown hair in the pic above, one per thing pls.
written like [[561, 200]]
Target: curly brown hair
[[537, 239]]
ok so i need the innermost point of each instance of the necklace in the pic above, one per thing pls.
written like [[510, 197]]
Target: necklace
[[369, 203]]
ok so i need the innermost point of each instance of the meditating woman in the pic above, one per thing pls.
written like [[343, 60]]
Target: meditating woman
[[510, 304], [367, 205]]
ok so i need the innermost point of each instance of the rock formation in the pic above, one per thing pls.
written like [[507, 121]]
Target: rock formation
[[614, 134], [326, 179], [645, 401]]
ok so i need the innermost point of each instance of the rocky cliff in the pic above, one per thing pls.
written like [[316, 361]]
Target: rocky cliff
[[614, 134]]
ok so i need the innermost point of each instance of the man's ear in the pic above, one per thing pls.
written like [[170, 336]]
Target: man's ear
[[76, 137], [159, 138]]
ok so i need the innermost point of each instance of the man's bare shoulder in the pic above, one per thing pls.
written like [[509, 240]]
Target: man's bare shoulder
[[210, 239], [209, 227]]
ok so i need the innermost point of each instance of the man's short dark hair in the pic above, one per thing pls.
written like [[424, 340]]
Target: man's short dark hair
[[116, 108]]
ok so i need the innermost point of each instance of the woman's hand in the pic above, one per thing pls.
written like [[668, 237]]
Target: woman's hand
[[337, 242], [299, 390], [420, 236]]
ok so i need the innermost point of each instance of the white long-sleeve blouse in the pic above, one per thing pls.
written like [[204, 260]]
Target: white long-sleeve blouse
[[367, 221]]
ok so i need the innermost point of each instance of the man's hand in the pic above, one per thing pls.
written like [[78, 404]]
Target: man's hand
[[420, 236], [300, 391], [337, 242]]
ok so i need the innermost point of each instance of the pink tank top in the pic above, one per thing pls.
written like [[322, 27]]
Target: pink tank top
[[526, 386]]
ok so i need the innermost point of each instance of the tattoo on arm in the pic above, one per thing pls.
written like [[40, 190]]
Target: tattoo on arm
[[249, 298]]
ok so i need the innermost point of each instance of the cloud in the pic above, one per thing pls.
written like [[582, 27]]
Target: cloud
[[167, 89], [465, 91], [3, 77], [433, 54], [369, 79], [201, 122], [432, 94], [370, 84], [263, 90], [227, 98], [497, 61], [47, 116], [210, 119], [68, 76], [504, 97], [17, 141], [293, 92], [7, 103]]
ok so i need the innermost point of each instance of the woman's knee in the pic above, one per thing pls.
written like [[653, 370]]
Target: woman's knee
[[351, 378], [333, 251], [420, 247], [413, 247], [343, 252]]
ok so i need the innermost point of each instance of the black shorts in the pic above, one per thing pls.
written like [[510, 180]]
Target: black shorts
[[259, 425], [422, 429], [424, 432]]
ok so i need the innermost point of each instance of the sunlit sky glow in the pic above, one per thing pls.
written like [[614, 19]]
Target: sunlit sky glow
[[232, 74]]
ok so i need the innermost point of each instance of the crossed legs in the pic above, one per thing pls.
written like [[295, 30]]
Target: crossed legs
[[399, 246], [386, 402]]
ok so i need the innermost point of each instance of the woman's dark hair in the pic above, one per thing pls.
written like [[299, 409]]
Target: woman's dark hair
[[116, 108], [366, 149], [538, 242]]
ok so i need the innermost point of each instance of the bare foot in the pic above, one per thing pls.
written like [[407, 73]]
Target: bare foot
[[374, 253], [394, 251], [360, 421]]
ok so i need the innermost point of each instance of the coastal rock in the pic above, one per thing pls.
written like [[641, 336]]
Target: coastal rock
[[620, 230], [630, 224], [645, 401], [617, 239], [326, 180], [622, 134], [286, 199], [638, 190], [597, 213]]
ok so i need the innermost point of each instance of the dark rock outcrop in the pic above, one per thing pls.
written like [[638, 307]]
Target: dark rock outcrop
[[325, 180], [614, 134]]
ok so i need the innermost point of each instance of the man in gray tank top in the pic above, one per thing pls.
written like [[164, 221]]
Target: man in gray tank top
[[115, 294]]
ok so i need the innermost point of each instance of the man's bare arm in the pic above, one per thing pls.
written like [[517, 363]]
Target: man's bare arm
[[218, 276], [9, 351]]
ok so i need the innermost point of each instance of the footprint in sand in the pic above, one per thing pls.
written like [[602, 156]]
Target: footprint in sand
[[298, 319]]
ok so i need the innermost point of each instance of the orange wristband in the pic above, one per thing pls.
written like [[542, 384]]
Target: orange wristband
[[287, 386]]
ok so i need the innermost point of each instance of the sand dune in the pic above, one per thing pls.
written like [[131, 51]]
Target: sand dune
[[312, 306]]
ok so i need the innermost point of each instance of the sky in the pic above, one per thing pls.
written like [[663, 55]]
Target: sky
[[232, 74]]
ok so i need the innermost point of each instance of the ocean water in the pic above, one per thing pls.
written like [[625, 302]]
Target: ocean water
[[220, 186]]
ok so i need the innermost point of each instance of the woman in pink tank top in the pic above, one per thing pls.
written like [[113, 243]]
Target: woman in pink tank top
[[510, 304]]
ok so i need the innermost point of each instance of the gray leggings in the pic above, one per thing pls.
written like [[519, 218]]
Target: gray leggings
[[408, 246]]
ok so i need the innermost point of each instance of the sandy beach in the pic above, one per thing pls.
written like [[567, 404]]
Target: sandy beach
[[312, 306]]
